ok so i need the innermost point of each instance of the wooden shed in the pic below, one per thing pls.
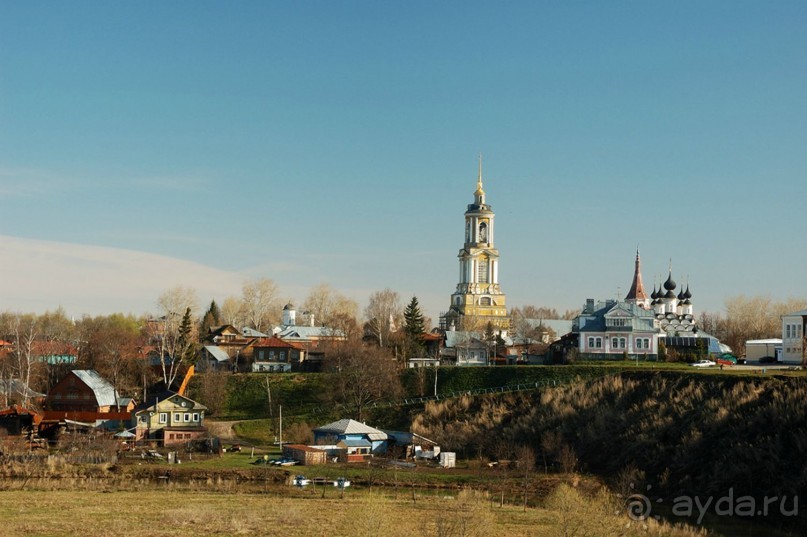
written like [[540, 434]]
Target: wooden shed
[[306, 455]]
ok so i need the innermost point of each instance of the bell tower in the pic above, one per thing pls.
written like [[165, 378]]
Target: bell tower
[[478, 298]]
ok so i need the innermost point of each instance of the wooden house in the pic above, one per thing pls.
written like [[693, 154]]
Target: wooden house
[[272, 354], [171, 420], [86, 391]]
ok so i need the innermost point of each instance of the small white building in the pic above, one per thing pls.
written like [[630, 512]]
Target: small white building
[[761, 348], [794, 326]]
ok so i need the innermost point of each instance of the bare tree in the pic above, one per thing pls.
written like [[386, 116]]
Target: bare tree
[[25, 332], [755, 317], [260, 301], [175, 305], [361, 377], [526, 464], [383, 315], [111, 345], [328, 305], [232, 311]]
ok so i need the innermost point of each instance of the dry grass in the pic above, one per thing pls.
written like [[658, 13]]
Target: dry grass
[[295, 514], [136, 514], [167, 512]]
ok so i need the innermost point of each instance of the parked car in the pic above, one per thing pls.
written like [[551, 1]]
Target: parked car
[[768, 360], [703, 363], [727, 359], [301, 481]]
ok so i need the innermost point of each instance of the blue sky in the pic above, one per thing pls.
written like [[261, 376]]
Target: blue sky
[[145, 145]]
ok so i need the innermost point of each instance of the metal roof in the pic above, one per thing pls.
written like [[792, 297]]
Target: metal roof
[[104, 392], [217, 353], [251, 332], [455, 338], [348, 426], [12, 386], [772, 341], [561, 327], [308, 332], [795, 313]]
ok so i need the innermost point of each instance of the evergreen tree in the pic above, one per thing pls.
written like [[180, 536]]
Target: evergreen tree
[[413, 328], [211, 318], [186, 346]]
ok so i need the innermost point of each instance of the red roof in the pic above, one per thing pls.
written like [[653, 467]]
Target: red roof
[[276, 343], [53, 348]]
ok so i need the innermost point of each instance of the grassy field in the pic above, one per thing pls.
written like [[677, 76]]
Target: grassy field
[[155, 513]]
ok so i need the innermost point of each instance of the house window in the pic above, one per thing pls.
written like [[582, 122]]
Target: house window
[[177, 417], [282, 356], [187, 417], [260, 354], [163, 417], [591, 343], [595, 342], [196, 417]]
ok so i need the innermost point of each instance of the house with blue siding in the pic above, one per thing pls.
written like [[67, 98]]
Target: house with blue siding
[[354, 436], [613, 329]]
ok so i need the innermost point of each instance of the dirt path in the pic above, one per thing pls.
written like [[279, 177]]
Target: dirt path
[[222, 429]]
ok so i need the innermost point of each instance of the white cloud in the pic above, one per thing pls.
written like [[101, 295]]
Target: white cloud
[[38, 275]]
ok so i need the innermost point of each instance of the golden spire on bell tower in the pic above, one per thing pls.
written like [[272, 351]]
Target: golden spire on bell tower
[[480, 193]]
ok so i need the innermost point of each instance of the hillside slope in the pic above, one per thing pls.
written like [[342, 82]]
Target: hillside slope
[[697, 435]]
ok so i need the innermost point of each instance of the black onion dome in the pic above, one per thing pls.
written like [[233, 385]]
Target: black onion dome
[[681, 295], [654, 294], [669, 285], [687, 294], [669, 294]]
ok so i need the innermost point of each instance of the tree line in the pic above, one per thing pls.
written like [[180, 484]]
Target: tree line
[[36, 348]]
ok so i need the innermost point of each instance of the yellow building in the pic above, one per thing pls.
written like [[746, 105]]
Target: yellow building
[[478, 298]]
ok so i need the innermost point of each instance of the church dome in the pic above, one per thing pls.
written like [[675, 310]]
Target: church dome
[[288, 307], [687, 294], [669, 294], [669, 285], [654, 294]]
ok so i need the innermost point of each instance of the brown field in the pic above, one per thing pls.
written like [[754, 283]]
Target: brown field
[[290, 512]]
